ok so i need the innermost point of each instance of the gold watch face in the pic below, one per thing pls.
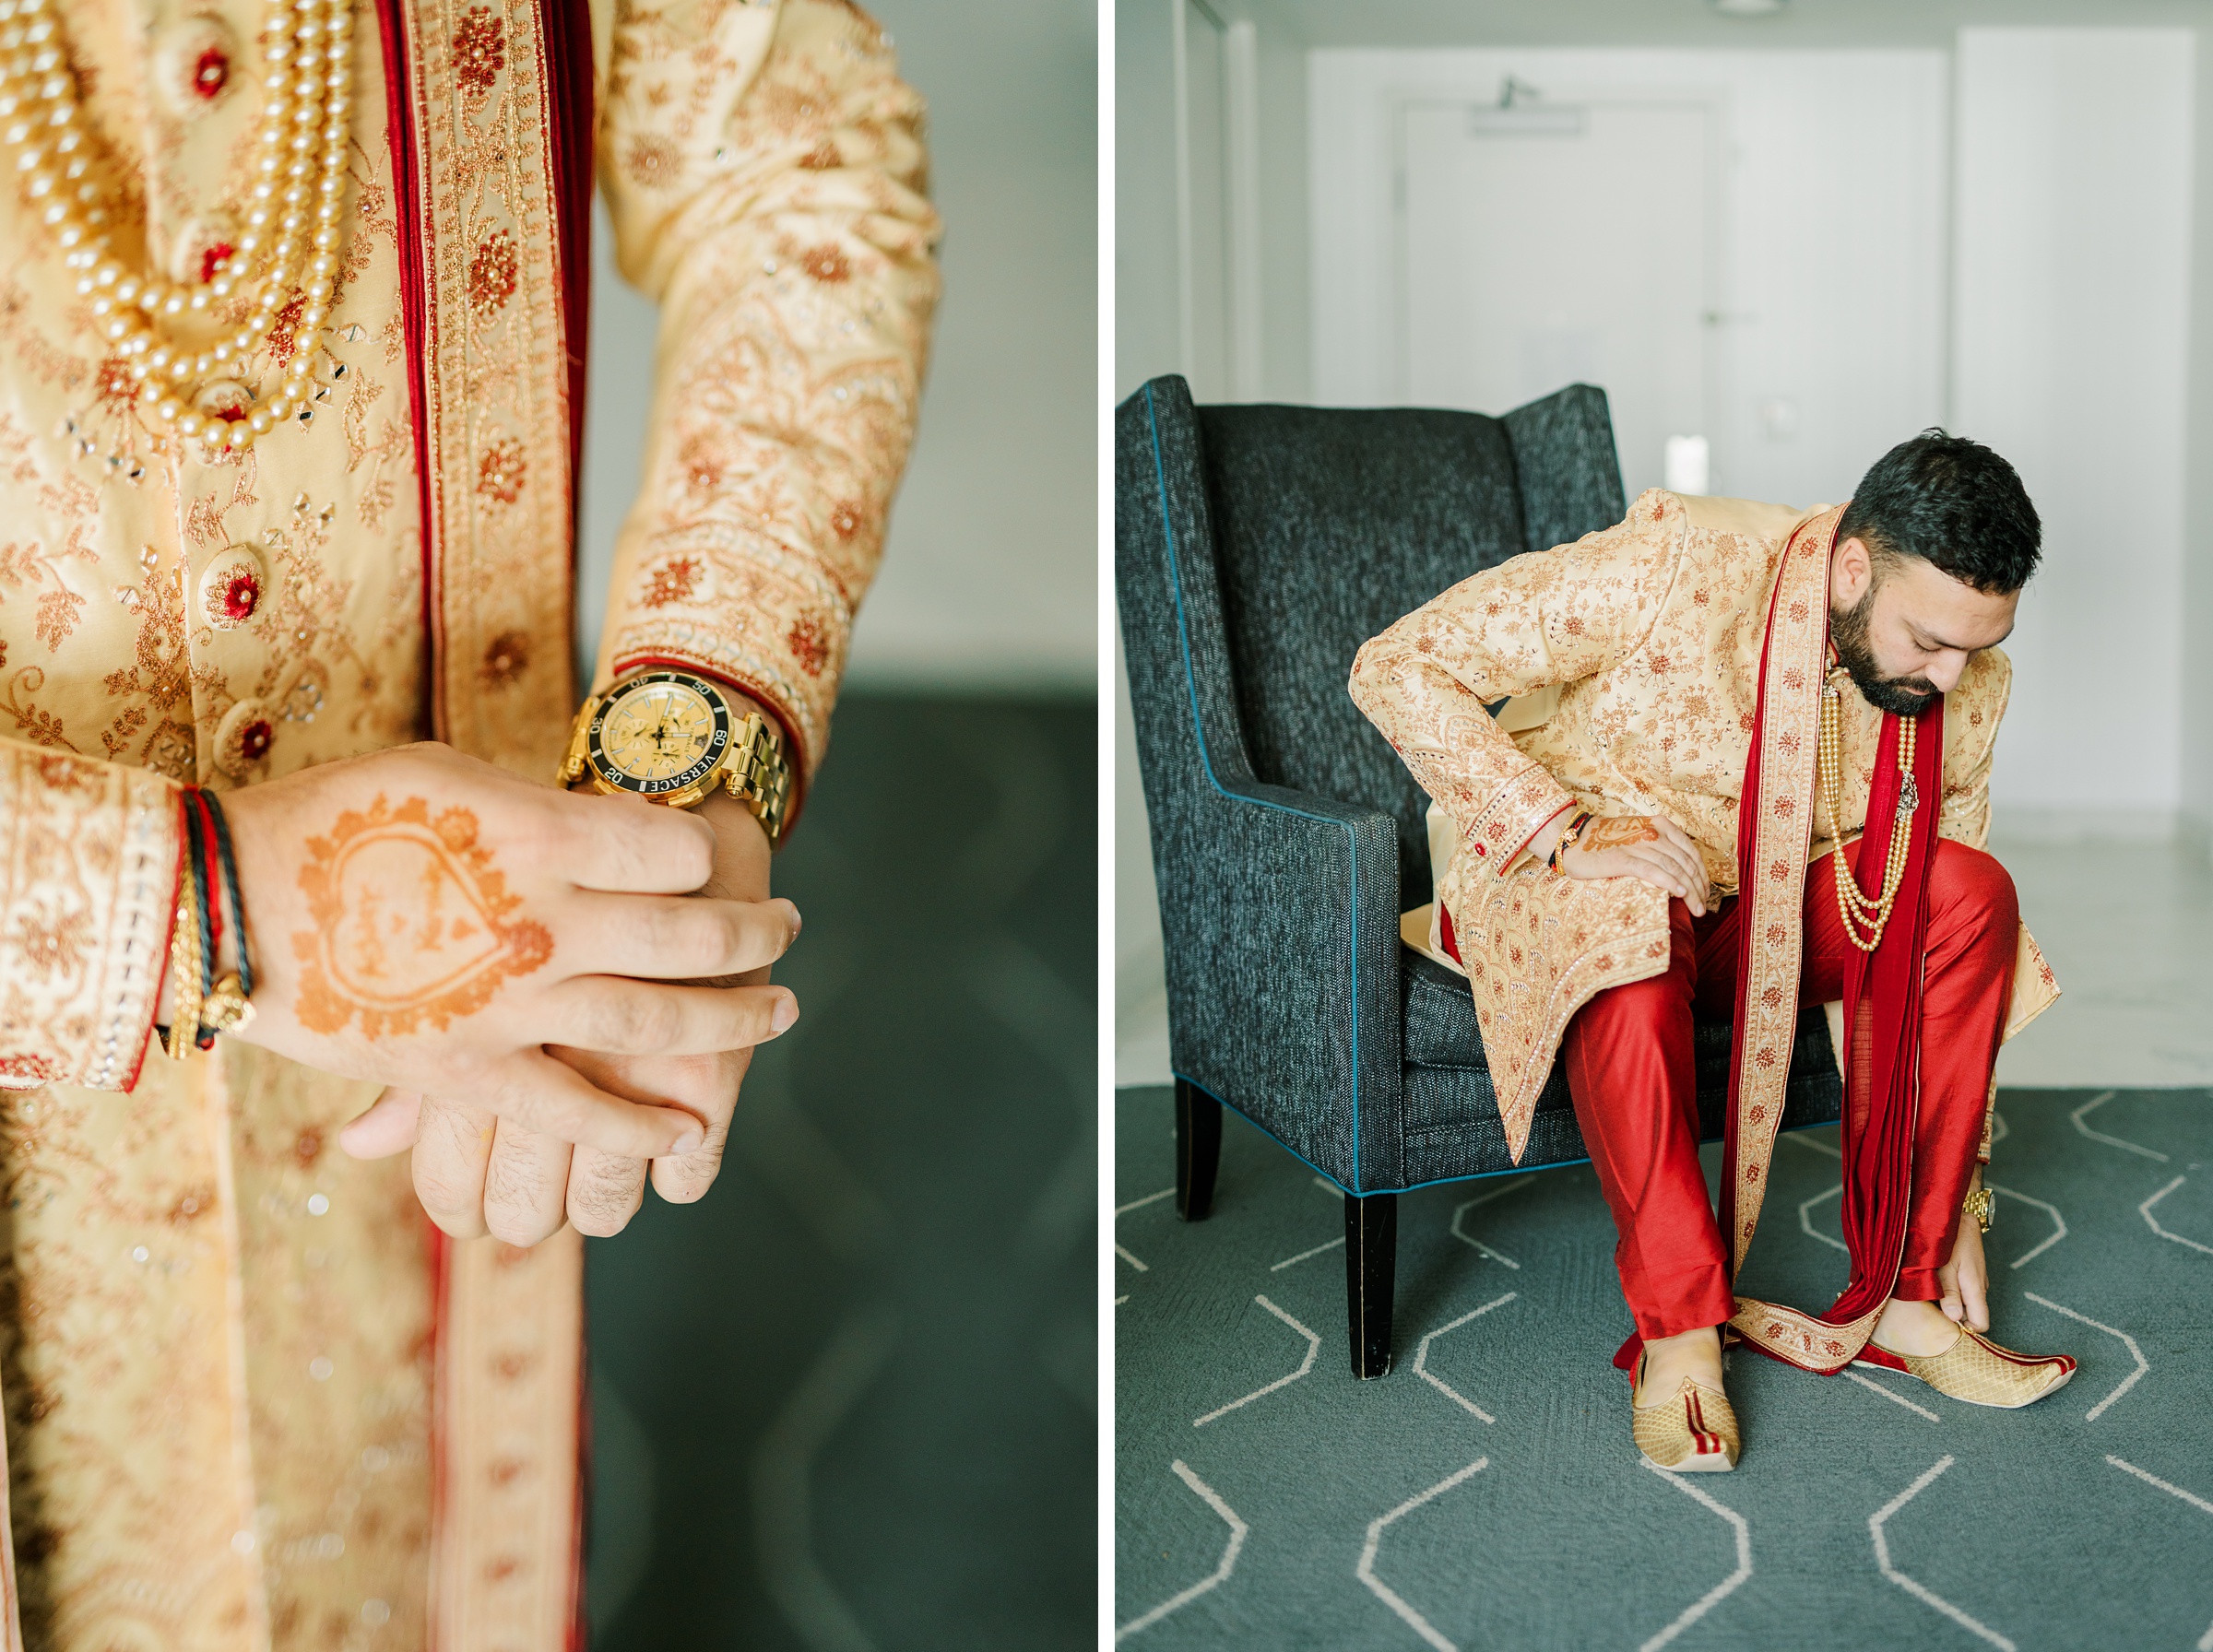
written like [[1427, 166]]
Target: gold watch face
[[659, 733]]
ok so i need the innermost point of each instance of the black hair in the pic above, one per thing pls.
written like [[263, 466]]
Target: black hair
[[1951, 503]]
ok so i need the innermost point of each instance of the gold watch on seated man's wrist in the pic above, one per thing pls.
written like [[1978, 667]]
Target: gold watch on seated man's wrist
[[672, 737]]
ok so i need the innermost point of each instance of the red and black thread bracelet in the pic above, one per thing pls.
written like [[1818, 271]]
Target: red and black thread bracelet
[[228, 1002]]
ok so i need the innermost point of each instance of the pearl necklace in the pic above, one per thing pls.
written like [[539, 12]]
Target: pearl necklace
[[287, 253], [1858, 910]]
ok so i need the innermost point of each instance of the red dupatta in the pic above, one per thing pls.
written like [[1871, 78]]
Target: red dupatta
[[492, 147], [1882, 990]]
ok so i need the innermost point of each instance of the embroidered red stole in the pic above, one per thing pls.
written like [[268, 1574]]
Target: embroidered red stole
[[1882, 990], [490, 119]]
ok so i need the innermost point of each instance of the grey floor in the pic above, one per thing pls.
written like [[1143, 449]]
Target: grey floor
[[1486, 1492], [849, 1401]]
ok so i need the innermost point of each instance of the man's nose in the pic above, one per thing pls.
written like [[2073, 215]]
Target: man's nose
[[1946, 669]]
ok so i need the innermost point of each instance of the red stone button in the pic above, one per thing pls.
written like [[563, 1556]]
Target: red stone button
[[243, 737], [195, 65], [232, 587]]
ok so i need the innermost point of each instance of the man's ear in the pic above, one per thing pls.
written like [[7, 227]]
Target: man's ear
[[1852, 574]]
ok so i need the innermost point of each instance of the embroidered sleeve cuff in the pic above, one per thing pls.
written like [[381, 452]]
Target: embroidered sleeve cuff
[[87, 886], [1517, 813], [745, 608]]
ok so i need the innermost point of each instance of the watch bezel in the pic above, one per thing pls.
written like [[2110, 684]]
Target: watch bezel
[[693, 779]]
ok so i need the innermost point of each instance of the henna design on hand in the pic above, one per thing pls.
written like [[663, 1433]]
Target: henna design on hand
[[1619, 832], [412, 922]]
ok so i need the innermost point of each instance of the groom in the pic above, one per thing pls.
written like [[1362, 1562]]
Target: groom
[[1749, 770]]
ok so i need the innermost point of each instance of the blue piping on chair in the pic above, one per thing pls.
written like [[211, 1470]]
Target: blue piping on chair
[[1206, 760]]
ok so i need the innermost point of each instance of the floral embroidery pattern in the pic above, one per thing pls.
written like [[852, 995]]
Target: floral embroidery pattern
[[479, 49], [653, 161], [808, 640], [673, 581], [827, 264], [500, 471], [491, 274], [505, 658]]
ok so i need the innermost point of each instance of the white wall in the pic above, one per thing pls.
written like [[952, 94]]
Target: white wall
[[1830, 265], [988, 579], [2072, 313]]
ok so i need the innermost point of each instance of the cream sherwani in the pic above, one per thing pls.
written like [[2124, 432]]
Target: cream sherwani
[[251, 1400], [1631, 661]]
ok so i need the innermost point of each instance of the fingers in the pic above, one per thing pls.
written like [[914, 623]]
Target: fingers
[[542, 1095], [1675, 847], [525, 1185], [451, 1153], [1656, 868], [686, 1180], [629, 845], [681, 937], [605, 1189], [1694, 861], [622, 1017], [706, 1085], [387, 1127], [1975, 1298]]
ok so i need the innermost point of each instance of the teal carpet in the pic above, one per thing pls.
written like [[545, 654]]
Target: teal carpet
[[1486, 1492], [848, 1401]]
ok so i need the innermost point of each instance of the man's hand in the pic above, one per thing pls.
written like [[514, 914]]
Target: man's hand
[[1965, 1279], [477, 1173], [429, 921], [1648, 846]]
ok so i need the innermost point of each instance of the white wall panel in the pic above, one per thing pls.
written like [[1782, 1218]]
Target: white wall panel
[[2071, 313]]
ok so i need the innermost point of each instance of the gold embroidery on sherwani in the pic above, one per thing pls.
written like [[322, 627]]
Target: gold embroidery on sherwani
[[495, 420], [787, 240]]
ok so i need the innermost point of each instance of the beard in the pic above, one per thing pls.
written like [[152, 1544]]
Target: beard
[[1901, 696]]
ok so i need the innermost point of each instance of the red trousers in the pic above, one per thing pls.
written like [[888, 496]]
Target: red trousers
[[1631, 1071]]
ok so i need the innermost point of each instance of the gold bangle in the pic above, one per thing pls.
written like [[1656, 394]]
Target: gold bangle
[[184, 972]]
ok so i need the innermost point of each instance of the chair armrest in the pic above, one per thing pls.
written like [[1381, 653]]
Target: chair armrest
[[1280, 912]]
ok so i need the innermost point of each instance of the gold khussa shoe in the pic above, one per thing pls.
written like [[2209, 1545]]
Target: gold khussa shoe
[[1976, 1371], [1693, 1433]]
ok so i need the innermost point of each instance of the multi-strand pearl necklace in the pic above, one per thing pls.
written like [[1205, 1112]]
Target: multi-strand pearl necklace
[[287, 252], [1858, 910]]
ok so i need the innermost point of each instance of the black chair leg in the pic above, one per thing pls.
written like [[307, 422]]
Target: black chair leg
[[1371, 1246], [1198, 1149]]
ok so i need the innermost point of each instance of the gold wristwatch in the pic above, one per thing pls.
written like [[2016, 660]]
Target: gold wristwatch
[[1981, 1206], [672, 737]]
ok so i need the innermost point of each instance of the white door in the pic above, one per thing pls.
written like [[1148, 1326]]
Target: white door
[[1542, 253]]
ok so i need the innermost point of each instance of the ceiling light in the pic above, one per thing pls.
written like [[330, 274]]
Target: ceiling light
[[1747, 8]]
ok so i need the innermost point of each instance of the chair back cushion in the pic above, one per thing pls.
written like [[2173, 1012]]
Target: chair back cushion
[[1330, 524]]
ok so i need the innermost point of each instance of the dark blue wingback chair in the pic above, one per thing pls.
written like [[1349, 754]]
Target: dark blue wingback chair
[[1257, 547]]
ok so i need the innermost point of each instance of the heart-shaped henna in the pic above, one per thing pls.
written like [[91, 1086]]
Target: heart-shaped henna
[[413, 923]]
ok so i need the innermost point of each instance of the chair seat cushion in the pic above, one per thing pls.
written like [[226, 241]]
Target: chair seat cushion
[[1452, 1127]]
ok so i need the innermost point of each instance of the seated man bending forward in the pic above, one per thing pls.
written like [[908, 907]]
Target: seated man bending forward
[[1749, 772]]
